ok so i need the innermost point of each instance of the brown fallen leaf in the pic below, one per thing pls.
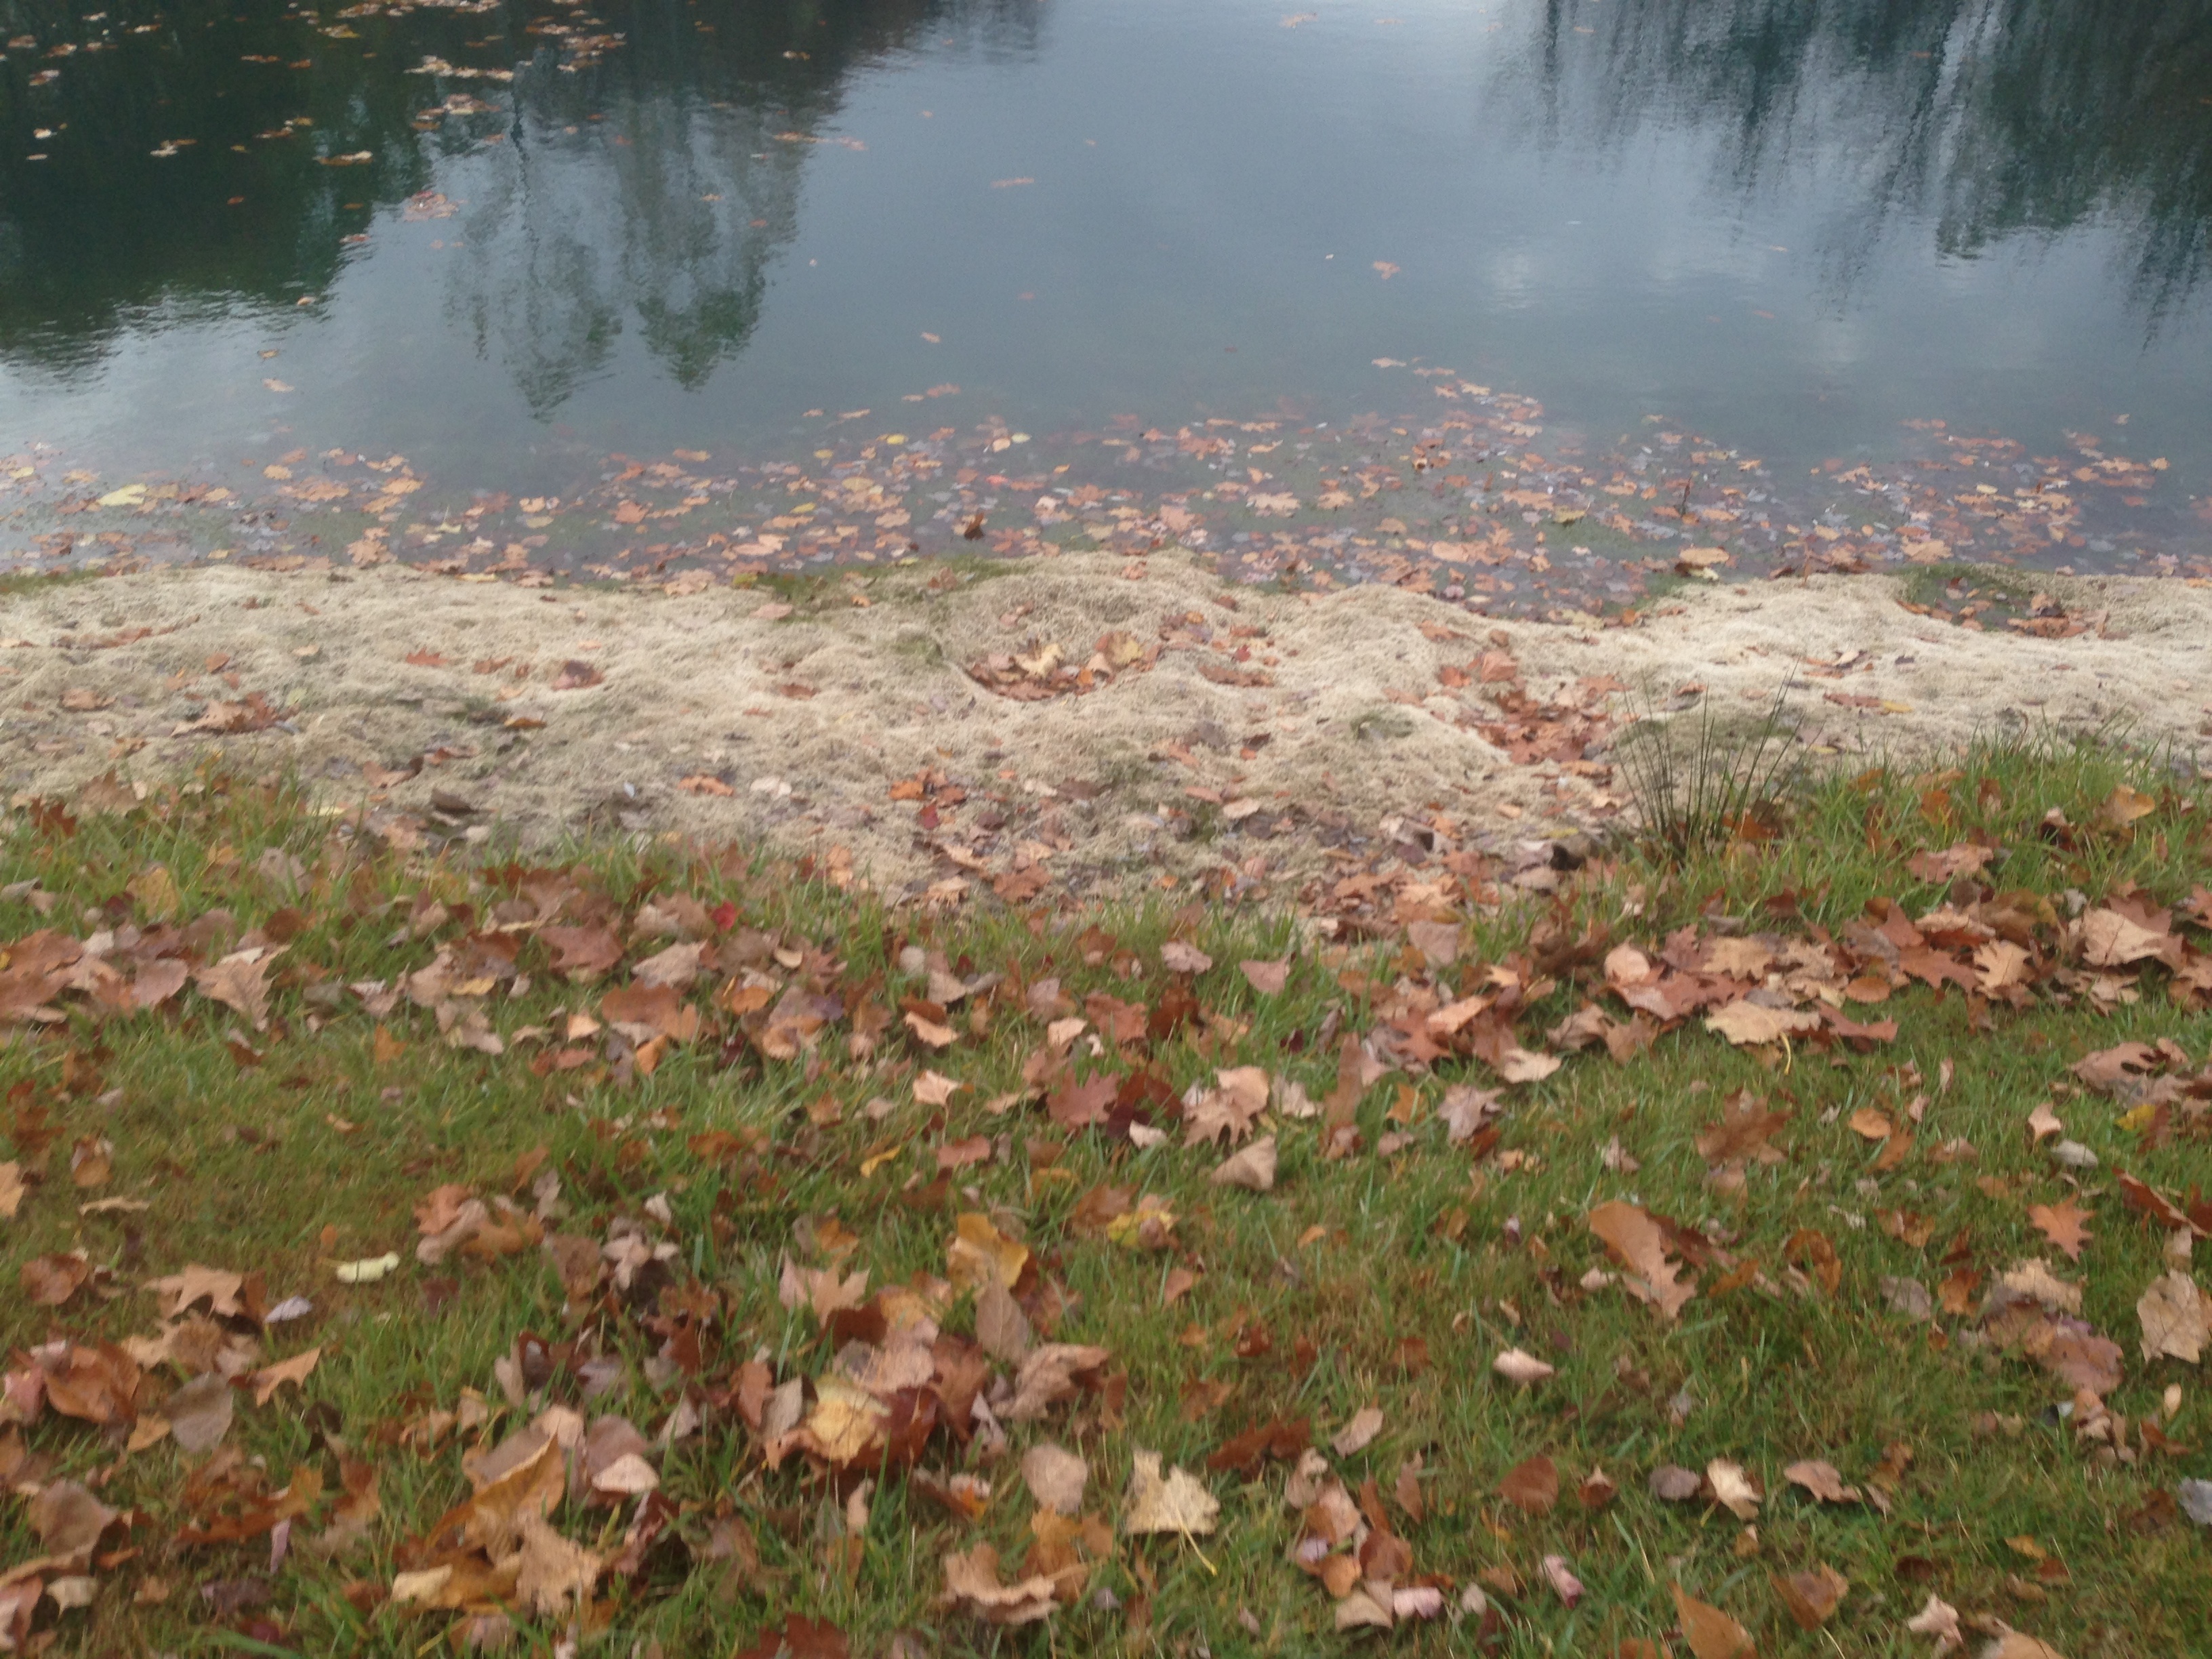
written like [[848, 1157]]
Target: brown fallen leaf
[[1516, 1366], [2064, 1223], [1636, 1241], [1822, 1480], [48, 1281], [1733, 1489], [1252, 1169], [295, 1370], [1531, 1485], [1710, 1633], [1812, 1597], [1267, 978], [1749, 1024], [1357, 1434], [1055, 1476], [576, 676], [2174, 1313], [972, 1586]]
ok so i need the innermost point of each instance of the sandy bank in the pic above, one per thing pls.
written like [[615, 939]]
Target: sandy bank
[[1256, 735]]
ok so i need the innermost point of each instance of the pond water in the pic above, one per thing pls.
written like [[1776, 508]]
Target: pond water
[[505, 240]]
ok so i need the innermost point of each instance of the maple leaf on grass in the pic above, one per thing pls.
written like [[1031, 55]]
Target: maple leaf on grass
[[2175, 1314], [1175, 1501]]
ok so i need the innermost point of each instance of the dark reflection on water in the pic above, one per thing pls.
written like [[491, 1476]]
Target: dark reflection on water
[[588, 215], [1986, 117], [667, 228]]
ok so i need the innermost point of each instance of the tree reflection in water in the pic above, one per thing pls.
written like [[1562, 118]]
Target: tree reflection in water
[[640, 184], [1991, 117]]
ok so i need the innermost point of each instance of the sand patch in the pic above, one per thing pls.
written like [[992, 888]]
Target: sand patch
[[1265, 742]]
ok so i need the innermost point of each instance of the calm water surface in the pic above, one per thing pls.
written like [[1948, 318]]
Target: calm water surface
[[501, 238]]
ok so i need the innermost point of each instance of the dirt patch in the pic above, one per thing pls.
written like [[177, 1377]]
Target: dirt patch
[[1259, 737]]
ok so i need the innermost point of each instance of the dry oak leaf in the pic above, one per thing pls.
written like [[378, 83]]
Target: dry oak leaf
[[2109, 939], [240, 981], [825, 1290], [180, 1290], [2174, 1314], [1711, 1634], [971, 1585], [1940, 1619], [1822, 1480], [1176, 1502], [1747, 1024], [1252, 1169], [1228, 1109], [553, 1571], [1812, 1597], [2064, 1223], [1639, 1244], [295, 1370], [1055, 1476]]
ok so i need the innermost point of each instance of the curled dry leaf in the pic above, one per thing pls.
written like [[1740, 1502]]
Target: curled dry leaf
[[1940, 1619], [1562, 1579], [1356, 1434], [1733, 1489], [972, 1586], [1516, 1366], [1638, 1242], [1822, 1481], [1252, 1169]]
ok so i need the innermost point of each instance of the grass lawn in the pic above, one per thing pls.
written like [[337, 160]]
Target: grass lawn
[[693, 1254]]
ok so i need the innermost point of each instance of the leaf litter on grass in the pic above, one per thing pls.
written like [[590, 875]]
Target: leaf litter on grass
[[711, 1339]]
